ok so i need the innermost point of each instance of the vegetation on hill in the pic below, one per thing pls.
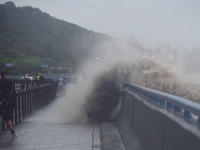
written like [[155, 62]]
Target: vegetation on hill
[[29, 38]]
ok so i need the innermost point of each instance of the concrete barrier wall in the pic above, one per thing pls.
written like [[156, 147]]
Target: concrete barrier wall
[[124, 123], [144, 126], [125, 119], [180, 135]]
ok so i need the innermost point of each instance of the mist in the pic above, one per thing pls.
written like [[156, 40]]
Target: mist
[[96, 95]]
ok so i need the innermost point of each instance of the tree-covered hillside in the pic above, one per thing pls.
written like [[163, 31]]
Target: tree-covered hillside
[[29, 38]]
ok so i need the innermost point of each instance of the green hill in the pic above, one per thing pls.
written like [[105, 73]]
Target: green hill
[[29, 38]]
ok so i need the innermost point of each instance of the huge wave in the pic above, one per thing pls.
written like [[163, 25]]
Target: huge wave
[[96, 96]]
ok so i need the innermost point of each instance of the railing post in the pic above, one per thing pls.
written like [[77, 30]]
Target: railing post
[[187, 115], [177, 109], [3, 123], [16, 110], [170, 106], [198, 122], [20, 108]]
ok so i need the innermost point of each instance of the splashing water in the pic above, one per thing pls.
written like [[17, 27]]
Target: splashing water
[[97, 95]]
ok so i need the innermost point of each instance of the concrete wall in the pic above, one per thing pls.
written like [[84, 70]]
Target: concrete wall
[[144, 126]]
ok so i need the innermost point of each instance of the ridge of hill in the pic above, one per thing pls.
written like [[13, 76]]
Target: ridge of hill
[[30, 37]]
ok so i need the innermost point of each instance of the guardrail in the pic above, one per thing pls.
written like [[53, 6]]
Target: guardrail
[[184, 108], [30, 96], [153, 120]]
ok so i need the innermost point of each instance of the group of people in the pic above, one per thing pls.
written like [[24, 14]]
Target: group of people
[[37, 77], [7, 98]]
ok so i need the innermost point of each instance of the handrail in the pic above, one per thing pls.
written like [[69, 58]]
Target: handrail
[[190, 109], [31, 95]]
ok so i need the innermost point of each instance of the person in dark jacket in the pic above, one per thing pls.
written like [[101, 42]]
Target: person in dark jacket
[[8, 94]]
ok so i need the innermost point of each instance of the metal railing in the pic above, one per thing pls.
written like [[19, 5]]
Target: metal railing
[[31, 95], [186, 109]]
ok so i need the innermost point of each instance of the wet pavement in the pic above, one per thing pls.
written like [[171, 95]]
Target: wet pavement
[[38, 132], [33, 135], [41, 132]]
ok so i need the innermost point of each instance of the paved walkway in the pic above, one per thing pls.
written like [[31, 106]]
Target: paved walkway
[[40, 132], [33, 135]]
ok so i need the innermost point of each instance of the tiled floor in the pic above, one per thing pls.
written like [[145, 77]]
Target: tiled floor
[[43, 132], [39, 132], [34, 135]]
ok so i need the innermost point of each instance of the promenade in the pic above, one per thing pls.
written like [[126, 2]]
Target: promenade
[[33, 135], [37, 133]]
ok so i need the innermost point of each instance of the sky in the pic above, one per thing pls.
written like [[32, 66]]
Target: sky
[[150, 22]]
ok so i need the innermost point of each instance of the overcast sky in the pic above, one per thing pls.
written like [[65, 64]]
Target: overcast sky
[[152, 22]]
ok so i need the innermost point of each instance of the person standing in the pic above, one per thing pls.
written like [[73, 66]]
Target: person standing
[[8, 93], [39, 77]]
